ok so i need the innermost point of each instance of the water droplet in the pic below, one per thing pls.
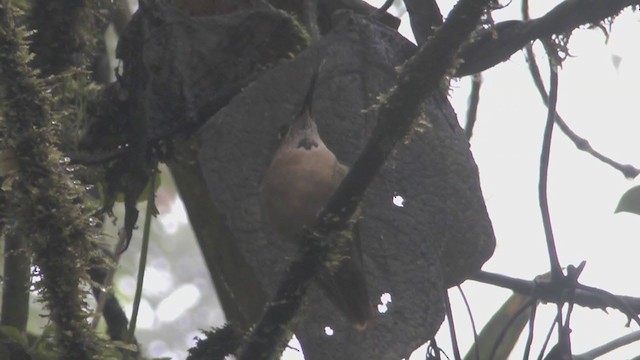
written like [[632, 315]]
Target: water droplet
[[385, 298], [398, 200]]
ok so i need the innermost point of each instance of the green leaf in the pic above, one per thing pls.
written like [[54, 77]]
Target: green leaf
[[630, 201], [492, 330]]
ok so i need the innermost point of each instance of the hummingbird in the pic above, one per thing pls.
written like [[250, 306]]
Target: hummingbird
[[303, 174]]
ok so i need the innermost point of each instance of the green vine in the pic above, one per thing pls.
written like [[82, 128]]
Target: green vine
[[142, 264]]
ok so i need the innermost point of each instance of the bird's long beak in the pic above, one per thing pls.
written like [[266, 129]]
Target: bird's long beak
[[305, 109], [303, 128], [304, 121]]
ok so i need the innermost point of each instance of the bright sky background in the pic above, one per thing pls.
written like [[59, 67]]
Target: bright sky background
[[598, 100]]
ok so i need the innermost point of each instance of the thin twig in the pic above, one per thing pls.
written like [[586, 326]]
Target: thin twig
[[435, 350], [474, 101], [98, 158], [512, 320], [452, 327], [548, 337], [424, 16], [609, 346], [556, 269], [142, 264], [619, 301], [564, 333], [559, 321], [532, 319], [103, 290], [524, 9], [586, 296], [628, 170], [489, 50], [383, 9], [473, 323]]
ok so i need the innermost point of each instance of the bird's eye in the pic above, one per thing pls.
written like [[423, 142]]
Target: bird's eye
[[282, 131]]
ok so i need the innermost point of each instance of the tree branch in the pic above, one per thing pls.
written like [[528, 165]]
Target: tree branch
[[420, 77], [494, 45], [15, 290], [609, 346], [452, 328], [475, 348], [474, 102], [532, 320], [108, 305], [629, 171], [44, 204], [548, 292], [384, 8], [556, 268], [425, 16]]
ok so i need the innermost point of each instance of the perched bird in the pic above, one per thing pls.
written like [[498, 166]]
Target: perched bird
[[301, 178]]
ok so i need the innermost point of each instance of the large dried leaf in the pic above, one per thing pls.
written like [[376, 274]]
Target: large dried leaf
[[439, 237]]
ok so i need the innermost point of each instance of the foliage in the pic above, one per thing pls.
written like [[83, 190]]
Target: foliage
[[630, 201]]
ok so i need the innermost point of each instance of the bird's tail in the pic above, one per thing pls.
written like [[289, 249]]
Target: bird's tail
[[346, 288]]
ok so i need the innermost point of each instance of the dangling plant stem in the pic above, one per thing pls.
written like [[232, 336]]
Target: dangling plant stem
[[151, 209]]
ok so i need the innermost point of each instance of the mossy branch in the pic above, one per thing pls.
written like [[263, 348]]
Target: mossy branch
[[420, 77], [44, 205]]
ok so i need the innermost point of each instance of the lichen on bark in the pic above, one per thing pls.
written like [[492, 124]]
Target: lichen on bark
[[44, 204]]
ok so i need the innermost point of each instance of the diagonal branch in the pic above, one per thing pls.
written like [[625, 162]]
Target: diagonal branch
[[629, 171], [425, 16], [609, 346], [496, 44], [421, 76], [452, 328]]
